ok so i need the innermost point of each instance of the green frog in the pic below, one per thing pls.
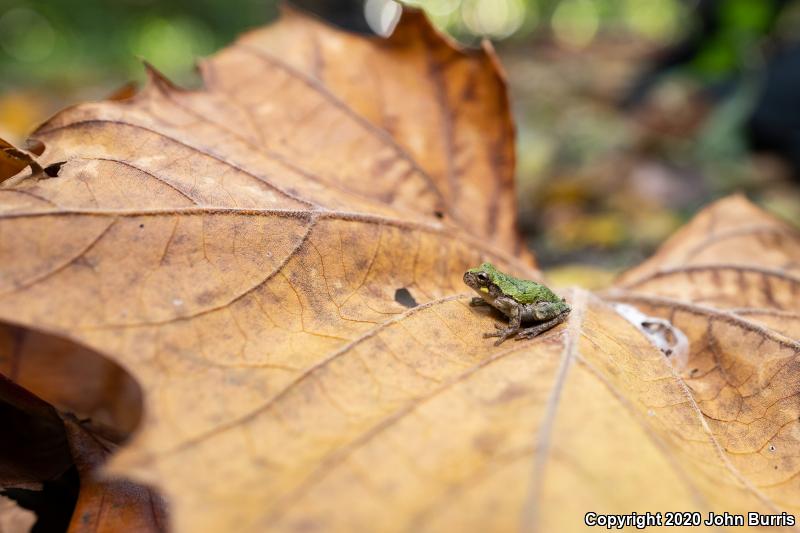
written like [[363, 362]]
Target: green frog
[[522, 301]]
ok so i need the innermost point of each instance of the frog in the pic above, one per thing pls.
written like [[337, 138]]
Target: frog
[[522, 301]]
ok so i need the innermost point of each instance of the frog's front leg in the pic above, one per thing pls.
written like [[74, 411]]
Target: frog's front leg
[[477, 301], [512, 310]]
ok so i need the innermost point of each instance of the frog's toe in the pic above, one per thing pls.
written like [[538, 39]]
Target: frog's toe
[[501, 327], [503, 337]]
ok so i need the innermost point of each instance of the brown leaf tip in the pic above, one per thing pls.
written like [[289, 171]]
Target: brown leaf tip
[[157, 79]]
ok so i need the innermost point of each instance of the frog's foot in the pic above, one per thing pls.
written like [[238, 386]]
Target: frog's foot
[[531, 332], [477, 301], [502, 332]]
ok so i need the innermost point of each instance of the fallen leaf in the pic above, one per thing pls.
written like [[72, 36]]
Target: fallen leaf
[[728, 281], [732, 231], [107, 504], [445, 109], [732, 256], [241, 251], [41, 449], [13, 160]]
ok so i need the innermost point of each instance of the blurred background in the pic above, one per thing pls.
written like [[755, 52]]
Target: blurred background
[[631, 114]]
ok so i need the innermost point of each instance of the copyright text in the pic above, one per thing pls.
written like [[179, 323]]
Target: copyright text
[[683, 519]]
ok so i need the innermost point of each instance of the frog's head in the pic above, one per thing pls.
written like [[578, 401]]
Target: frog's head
[[482, 280]]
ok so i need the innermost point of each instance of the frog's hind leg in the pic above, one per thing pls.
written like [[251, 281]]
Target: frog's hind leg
[[533, 331], [502, 332]]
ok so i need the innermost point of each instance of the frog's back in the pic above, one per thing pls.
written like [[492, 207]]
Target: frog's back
[[524, 291]]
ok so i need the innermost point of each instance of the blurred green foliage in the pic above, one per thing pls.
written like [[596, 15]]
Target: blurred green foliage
[[68, 44], [74, 43], [742, 24], [574, 22]]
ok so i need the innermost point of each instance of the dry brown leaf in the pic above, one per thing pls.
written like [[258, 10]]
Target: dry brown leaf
[[41, 446], [243, 250], [446, 109], [729, 282], [732, 232], [108, 505], [13, 160], [732, 256]]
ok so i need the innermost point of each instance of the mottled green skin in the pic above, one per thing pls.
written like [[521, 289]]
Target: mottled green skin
[[522, 301], [521, 290]]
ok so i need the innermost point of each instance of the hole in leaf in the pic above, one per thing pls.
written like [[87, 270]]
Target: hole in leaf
[[404, 298], [54, 169]]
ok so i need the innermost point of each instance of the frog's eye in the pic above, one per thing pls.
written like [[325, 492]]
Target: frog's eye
[[483, 277]]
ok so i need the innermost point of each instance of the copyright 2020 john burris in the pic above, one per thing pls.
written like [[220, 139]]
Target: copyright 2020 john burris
[[683, 519]]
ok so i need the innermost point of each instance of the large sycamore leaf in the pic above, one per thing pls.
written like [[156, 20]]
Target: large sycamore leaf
[[277, 260], [445, 109]]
